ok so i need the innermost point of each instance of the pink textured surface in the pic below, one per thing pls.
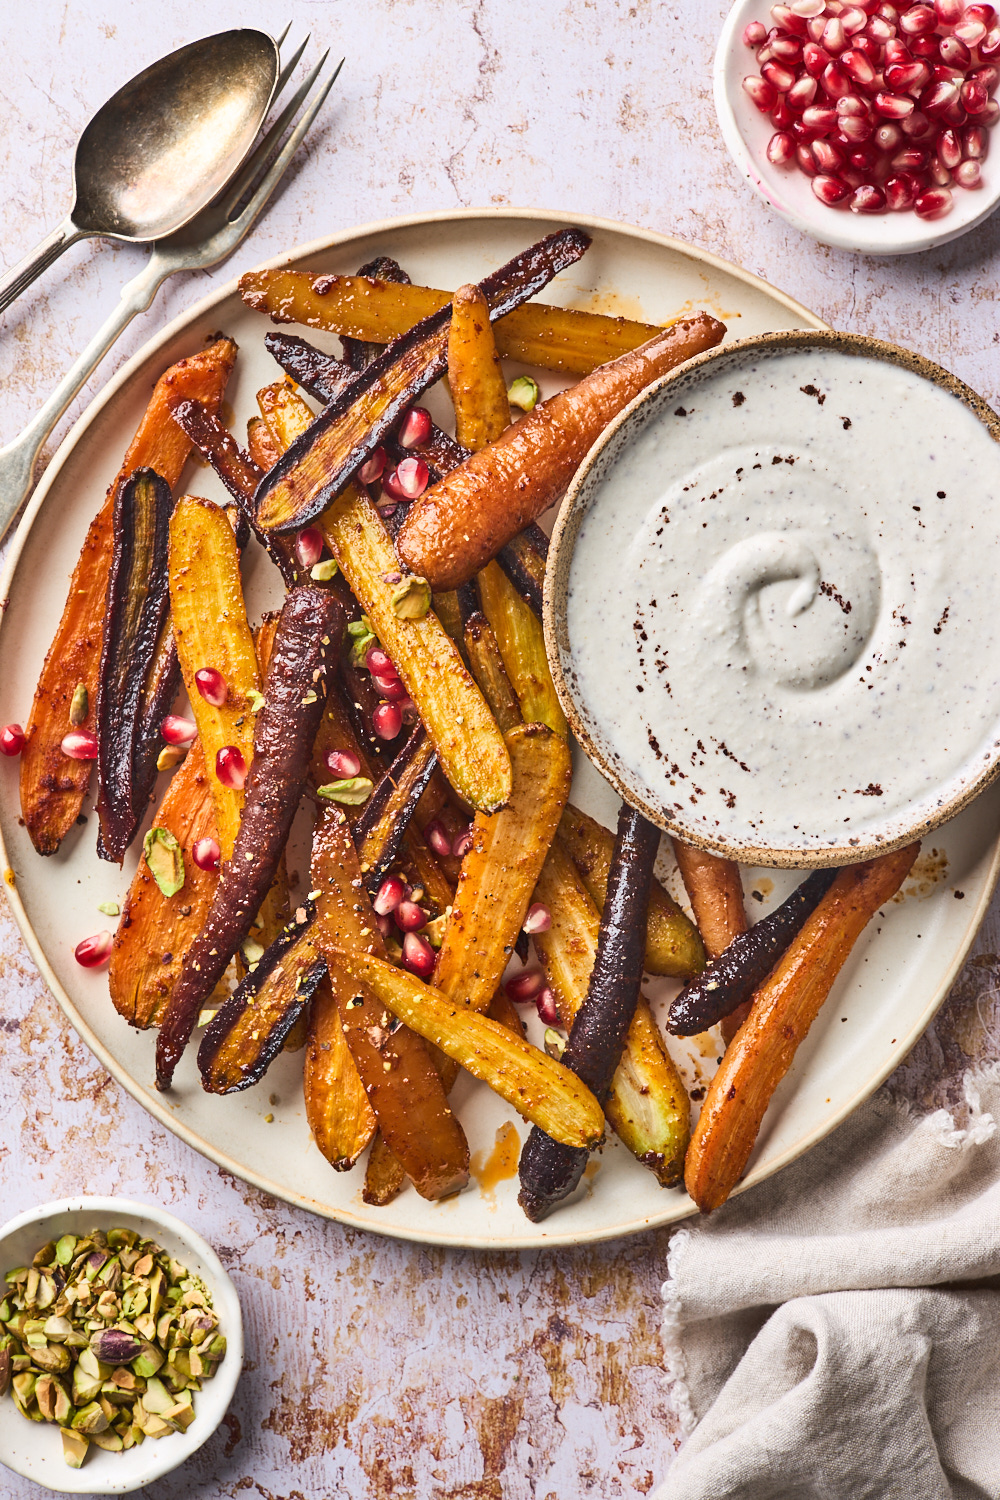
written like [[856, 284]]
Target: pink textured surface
[[376, 1368]]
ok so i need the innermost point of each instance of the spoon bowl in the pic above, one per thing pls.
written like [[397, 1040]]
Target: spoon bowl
[[168, 142]]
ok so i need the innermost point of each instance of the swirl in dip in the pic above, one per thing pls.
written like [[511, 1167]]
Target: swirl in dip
[[781, 632]]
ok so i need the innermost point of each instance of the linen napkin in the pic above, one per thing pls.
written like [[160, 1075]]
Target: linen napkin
[[834, 1333]]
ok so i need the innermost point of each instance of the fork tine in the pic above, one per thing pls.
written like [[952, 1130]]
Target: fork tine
[[280, 41], [243, 180], [289, 68], [277, 168]]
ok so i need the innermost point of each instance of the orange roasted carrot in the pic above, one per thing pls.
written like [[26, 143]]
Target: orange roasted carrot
[[463, 521], [781, 1013], [52, 785]]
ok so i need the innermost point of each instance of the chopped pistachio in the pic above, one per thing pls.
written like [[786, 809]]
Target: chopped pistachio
[[351, 791], [109, 1440], [109, 909], [79, 704], [252, 952], [57, 1329], [52, 1358], [74, 1447], [322, 572], [412, 599], [555, 1045], [170, 756], [362, 637], [90, 1419], [434, 930], [256, 700], [66, 1246], [165, 860], [524, 393]]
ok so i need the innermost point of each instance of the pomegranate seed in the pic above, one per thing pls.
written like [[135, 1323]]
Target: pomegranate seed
[[897, 55], [856, 128], [377, 660], [211, 685], [524, 987], [893, 106], [954, 54], [780, 77], [11, 739], [910, 159], [880, 30], [925, 47], [853, 178], [788, 20], [941, 97], [780, 149], [948, 12], [343, 764], [415, 427], [990, 44], [372, 470], [787, 49], [829, 190], [390, 894], [835, 81], [978, 12], [934, 204], [801, 94], [309, 547], [231, 768], [754, 34], [418, 955], [438, 837], [389, 687], [178, 731], [820, 119], [989, 77], [829, 158], [899, 194], [991, 114], [974, 97], [971, 32], [815, 59], [889, 13], [806, 160], [888, 137], [906, 76], [207, 854], [870, 49], [387, 721], [409, 478], [834, 36], [917, 126], [781, 115], [410, 917], [815, 28], [807, 9], [949, 149], [863, 159], [918, 20], [538, 919], [765, 54], [975, 144], [867, 200], [94, 950], [853, 20], [851, 105], [942, 74], [80, 744], [969, 174], [857, 66], [547, 1008], [463, 842], [938, 172]]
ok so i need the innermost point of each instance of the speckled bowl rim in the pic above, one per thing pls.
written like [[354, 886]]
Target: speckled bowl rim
[[588, 481], [162, 1456]]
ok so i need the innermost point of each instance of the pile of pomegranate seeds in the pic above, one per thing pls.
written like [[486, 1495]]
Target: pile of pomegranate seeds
[[885, 108]]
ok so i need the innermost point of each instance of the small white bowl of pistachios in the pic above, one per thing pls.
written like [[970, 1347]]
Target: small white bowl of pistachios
[[121, 1343]]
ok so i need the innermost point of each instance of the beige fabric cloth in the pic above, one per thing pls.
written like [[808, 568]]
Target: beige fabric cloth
[[833, 1334]]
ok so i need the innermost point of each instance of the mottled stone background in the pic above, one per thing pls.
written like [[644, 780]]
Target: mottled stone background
[[376, 1368]]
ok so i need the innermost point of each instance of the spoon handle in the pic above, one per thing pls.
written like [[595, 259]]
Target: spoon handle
[[17, 459], [14, 281]]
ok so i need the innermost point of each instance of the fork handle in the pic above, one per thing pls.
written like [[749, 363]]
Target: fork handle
[[14, 281], [17, 459]]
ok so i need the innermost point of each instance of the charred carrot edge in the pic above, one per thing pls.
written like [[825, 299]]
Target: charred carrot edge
[[554, 338], [524, 559], [308, 633], [730, 980], [783, 1009], [551, 1169], [322, 462], [381, 828], [52, 785], [459, 524]]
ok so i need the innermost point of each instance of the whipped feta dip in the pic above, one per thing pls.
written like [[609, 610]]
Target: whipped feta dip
[[781, 626]]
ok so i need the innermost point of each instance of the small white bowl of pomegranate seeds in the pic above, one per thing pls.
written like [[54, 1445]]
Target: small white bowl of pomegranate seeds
[[864, 123]]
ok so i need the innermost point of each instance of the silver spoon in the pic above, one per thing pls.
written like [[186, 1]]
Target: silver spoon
[[163, 147]]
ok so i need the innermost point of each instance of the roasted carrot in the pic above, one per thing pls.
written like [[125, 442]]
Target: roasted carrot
[[550, 1169], [53, 785], [461, 523], [308, 634], [781, 1014], [475, 379], [716, 894]]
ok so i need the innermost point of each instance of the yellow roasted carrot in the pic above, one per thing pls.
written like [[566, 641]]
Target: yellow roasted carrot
[[519, 636], [475, 379]]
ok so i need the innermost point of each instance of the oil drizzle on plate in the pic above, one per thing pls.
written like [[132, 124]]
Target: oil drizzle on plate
[[496, 1166]]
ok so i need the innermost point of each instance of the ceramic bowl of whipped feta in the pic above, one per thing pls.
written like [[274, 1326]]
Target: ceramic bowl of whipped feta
[[770, 604]]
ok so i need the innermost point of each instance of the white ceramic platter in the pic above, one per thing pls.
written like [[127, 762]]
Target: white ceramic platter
[[888, 992]]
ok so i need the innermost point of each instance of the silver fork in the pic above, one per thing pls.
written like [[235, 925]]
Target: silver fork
[[208, 239]]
